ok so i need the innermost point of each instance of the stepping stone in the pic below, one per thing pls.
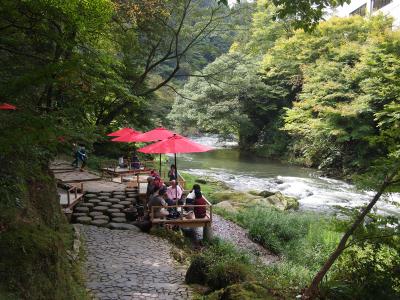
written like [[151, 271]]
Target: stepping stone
[[113, 200], [96, 213], [113, 210], [81, 209], [100, 208], [101, 217], [99, 222], [89, 196], [118, 215], [116, 220], [89, 205], [125, 203], [105, 203], [119, 196], [103, 197], [120, 206], [84, 220], [132, 200], [118, 193], [94, 201], [123, 226], [77, 215]]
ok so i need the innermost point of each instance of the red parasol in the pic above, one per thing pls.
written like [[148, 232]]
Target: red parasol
[[175, 144], [156, 134], [123, 131], [127, 137], [6, 106]]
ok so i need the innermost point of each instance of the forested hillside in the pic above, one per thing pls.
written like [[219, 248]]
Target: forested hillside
[[325, 98]]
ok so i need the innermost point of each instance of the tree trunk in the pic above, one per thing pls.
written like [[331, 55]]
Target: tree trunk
[[312, 291]]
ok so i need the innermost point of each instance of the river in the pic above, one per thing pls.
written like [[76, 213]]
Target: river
[[247, 172]]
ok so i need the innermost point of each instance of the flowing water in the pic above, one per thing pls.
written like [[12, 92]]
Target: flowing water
[[247, 172]]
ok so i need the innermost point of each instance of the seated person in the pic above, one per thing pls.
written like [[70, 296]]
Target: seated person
[[174, 193], [150, 187], [121, 162], [191, 196], [199, 212], [135, 162], [158, 200]]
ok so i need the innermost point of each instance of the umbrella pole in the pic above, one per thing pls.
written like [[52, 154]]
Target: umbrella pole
[[177, 182], [160, 166]]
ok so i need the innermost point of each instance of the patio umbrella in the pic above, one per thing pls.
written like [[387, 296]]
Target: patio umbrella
[[123, 131], [154, 135], [6, 106], [127, 137], [175, 144]]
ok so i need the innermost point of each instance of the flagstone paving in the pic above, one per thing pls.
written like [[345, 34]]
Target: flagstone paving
[[129, 264]]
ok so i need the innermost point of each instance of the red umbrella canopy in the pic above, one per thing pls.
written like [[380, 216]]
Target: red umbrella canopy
[[123, 131], [156, 134], [127, 137], [175, 144], [6, 106]]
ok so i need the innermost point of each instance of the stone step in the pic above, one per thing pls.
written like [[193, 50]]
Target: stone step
[[81, 209], [95, 213], [99, 222], [89, 196], [113, 200], [94, 201], [116, 220], [118, 215], [125, 203], [119, 206], [101, 217], [84, 220], [113, 210], [100, 208], [104, 203], [103, 197]]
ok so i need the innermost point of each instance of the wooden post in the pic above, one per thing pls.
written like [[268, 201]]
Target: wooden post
[[207, 232]]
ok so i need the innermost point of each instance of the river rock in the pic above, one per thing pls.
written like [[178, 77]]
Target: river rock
[[113, 200], [81, 209], [113, 210], [266, 194], [100, 208], [117, 215], [125, 203], [124, 226], [117, 220], [105, 203], [278, 181], [227, 206], [283, 202], [119, 206], [89, 196], [99, 222], [94, 201], [95, 213], [84, 220], [101, 217]]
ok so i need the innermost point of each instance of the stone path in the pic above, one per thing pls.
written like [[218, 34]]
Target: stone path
[[237, 235], [129, 264]]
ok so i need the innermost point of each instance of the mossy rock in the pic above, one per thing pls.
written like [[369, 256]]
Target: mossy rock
[[233, 196], [100, 208], [201, 181], [227, 206], [84, 220], [104, 203], [81, 209], [197, 271], [246, 291], [113, 200], [266, 194], [283, 202], [99, 222], [101, 217], [95, 213]]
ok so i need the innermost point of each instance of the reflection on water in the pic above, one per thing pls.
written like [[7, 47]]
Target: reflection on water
[[246, 172]]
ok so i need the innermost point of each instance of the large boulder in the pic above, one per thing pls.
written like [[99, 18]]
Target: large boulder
[[283, 202], [266, 194]]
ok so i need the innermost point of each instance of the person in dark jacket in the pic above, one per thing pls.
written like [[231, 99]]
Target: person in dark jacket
[[199, 212]]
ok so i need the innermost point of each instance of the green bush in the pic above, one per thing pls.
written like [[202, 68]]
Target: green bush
[[224, 274]]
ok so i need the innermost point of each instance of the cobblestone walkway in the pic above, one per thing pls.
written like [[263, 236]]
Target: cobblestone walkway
[[126, 264]]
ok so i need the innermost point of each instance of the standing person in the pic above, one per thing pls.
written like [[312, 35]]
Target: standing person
[[76, 149], [82, 157], [172, 173], [150, 188], [174, 193]]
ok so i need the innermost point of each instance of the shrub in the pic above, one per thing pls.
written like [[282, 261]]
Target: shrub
[[224, 274], [197, 272]]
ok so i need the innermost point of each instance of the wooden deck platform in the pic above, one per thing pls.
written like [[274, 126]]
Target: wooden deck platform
[[75, 176]]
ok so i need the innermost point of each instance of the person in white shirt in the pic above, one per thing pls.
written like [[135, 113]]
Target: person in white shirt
[[174, 193]]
